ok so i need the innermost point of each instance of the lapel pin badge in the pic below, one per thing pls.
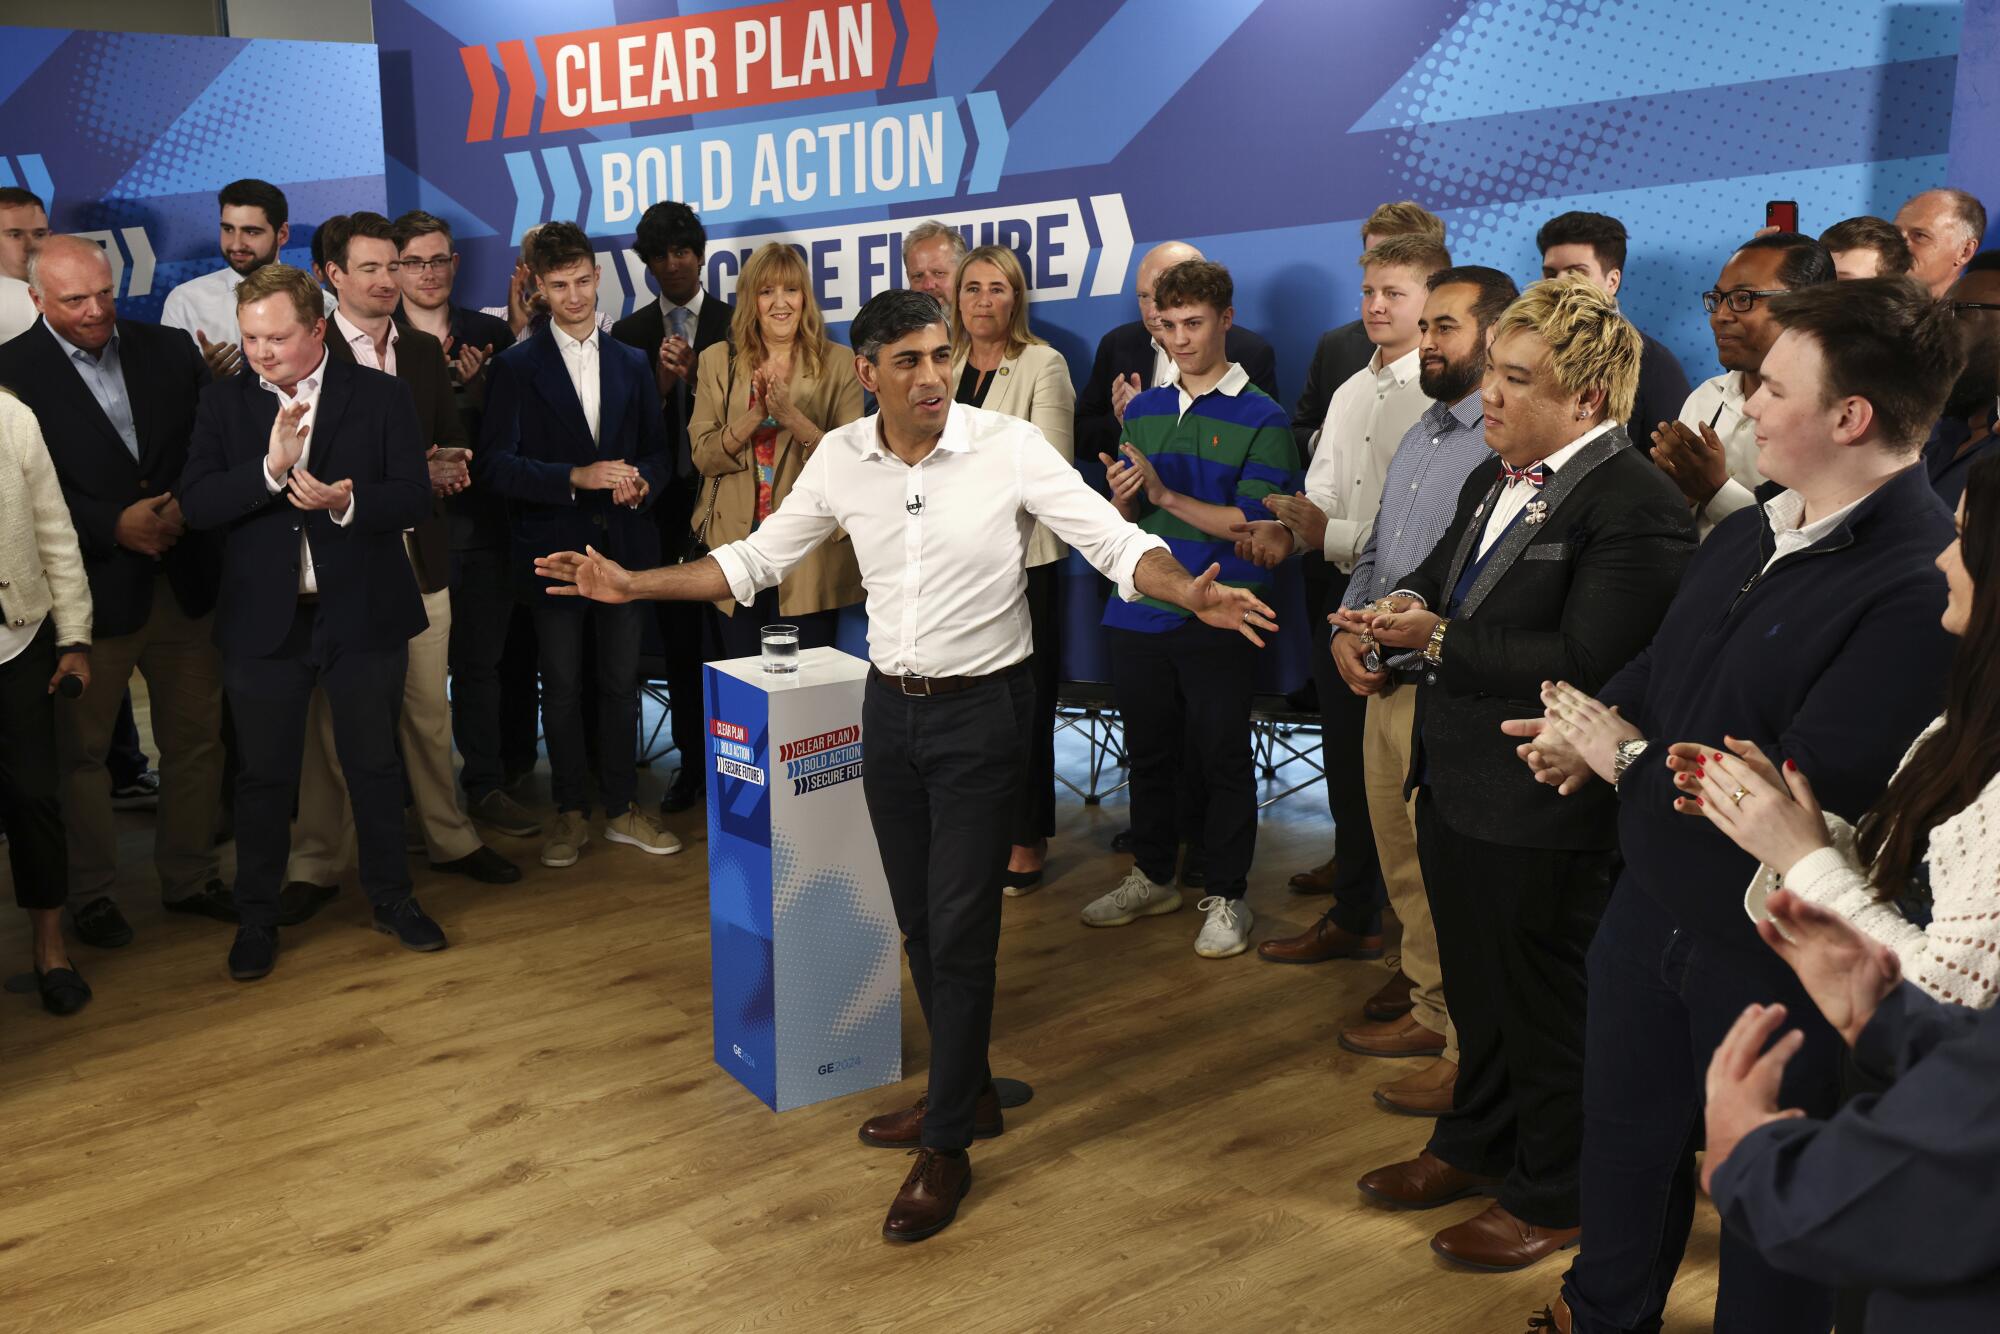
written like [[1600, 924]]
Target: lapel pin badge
[[1538, 510]]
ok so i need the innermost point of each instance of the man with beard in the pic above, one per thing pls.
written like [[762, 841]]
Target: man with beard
[[1711, 452], [1964, 434], [256, 223]]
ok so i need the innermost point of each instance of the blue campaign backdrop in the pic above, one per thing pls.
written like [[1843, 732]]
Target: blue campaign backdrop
[[129, 135], [1262, 130]]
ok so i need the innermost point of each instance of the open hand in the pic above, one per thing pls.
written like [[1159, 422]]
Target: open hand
[[589, 575], [1149, 477], [631, 494], [222, 358], [466, 360], [287, 444], [1695, 460], [1125, 483], [1124, 389], [1847, 974], [309, 493], [1303, 516], [1587, 727], [1229, 608], [1264, 543], [676, 363], [1773, 817], [1744, 1076]]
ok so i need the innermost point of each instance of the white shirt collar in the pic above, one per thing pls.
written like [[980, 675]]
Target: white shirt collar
[[1555, 461], [1233, 382], [71, 351], [565, 343], [956, 438], [693, 308], [307, 386], [1402, 370], [1786, 510], [355, 334]]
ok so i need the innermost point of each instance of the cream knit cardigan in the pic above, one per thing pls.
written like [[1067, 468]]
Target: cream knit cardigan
[[41, 569]]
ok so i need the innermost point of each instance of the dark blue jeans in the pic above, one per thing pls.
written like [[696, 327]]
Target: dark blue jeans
[[560, 629], [1661, 999], [482, 604]]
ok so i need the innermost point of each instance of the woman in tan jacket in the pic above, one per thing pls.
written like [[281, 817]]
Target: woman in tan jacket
[[999, 365], [44, 640], [762, 401]]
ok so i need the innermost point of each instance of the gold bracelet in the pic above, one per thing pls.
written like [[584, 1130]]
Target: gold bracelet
[[1434, 650]]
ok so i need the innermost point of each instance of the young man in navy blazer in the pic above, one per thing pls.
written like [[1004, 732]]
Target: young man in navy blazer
[[312, 469], [575, 439]]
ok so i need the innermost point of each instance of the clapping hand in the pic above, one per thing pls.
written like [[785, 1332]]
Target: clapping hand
[[1847, 974], [1772, 816], [1264, 543], [449, 469], [1301, 514], [309, 493], [676, 362], [1124, 389], [589, 575], [288, 437], [466, 361], [603, 475], [222, 358], [1229, 608], [1126, 483], [1697, 463], [630, 493], [1744, 1077]]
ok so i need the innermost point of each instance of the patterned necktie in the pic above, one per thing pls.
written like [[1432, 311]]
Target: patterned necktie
[[1534, 474], [678, 318]]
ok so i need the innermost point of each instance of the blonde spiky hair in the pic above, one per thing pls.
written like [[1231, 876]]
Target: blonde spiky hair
[[1590, 344]]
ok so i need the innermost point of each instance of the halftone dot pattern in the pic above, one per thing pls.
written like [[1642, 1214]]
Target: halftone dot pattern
[[127, 89], [323, 127], [1519, 55]]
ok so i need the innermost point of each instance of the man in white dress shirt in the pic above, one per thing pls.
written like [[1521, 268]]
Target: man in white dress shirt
[[1711, 452], [939, 500], [24, 225], [255, 224]]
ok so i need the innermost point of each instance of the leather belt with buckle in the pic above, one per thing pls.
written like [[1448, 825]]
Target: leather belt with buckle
[[920, 686]]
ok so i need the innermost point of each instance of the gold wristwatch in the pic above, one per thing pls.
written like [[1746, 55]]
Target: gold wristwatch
[[1434, 650]]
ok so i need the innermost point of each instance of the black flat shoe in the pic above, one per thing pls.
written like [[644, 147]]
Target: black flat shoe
[[64, 991], [411, 925], [1016, 883], [254, 953], [482, 864], [687, 790], [99, 924], [300, 899], [211, 900]]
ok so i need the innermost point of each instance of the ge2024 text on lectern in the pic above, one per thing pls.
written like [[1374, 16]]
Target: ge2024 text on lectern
[[802, 937]]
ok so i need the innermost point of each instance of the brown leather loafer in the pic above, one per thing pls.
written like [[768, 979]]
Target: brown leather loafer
[[1318, 943], [1396, 1037], [1424, 1182], [1319, 880], [1554, 1318], [1496, 1242], [1425, 1093], [1391, 1002], [929, 1198], [905, 1129]]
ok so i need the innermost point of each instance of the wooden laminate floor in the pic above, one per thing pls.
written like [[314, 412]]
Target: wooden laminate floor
[[527, 1131]]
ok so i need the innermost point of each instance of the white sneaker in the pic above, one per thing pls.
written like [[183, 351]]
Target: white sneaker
[[1227, 930], [1135, 897], [636, 829]]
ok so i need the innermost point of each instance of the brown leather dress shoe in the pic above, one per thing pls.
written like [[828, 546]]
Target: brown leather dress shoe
[[1319, 880], [1318, 943], [1392, 1001], [1552, 1319], [905, 1129], [1425, 1093], [1424, 1182], [1496, 1242], [1396, 1037], [929, 1198]]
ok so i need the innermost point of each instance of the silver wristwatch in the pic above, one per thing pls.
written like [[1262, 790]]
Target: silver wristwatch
[[1627, 752]]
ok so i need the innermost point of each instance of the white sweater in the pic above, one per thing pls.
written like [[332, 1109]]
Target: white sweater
[[41, 569], [1958, 958]]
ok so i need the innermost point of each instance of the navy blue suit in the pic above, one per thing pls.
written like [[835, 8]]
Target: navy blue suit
[[350, 638], [533, 434]]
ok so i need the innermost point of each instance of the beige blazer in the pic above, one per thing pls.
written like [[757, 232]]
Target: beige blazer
[[41, 569], [1035, 387], [828, 578]]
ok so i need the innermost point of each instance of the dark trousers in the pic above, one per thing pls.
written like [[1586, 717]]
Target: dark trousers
[[1192, 685], [939, 774], [561, 631], [1035, 804], [482, 607], [1513, 927], [742, 633], [1358, 889], [520, 693], [270, 695], [126, 759], [683, 632], [30, 804], [1661, 1000]]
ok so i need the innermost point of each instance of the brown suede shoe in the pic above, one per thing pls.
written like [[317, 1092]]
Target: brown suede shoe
[[929, 1198], [1424, 1182], [905, 1129], [1425, 1093], [1496, 1242], [1392, 1001], [1396, 1037], [1318, 943], [1319, 880], [1552, 1319]]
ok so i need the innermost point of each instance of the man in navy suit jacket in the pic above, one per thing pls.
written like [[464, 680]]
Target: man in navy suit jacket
[[575, 439], [312, 501]]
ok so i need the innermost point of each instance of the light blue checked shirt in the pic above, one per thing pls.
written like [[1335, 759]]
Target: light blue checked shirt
[[104, 376], [1419, 497]]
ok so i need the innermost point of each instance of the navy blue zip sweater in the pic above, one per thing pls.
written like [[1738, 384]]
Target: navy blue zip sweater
[[1834, 659]]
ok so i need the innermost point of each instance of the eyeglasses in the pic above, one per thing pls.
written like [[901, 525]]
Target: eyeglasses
[[1740, 299], [436, 265], [1960, 307]]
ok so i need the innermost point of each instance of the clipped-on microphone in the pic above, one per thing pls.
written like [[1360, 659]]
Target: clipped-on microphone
[[71, 685], [914, 504]]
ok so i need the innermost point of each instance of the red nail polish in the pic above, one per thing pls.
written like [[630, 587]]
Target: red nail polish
[[1699, 802], [1718, 755], [1793, 767]]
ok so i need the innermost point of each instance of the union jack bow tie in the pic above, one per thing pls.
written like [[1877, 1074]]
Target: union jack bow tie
[[1534, 474]]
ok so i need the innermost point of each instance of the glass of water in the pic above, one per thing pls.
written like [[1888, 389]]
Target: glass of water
[[781, 648]]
